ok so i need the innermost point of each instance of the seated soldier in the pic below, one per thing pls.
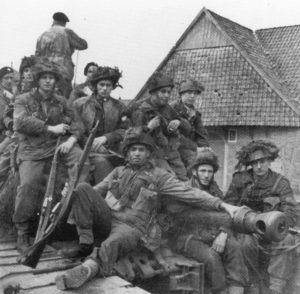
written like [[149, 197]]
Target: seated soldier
[[209, 243], [163, 123], [86, 88], [26, 75], [133, 194], [262, 189], [190, 93], [105, 153], [40, 117]]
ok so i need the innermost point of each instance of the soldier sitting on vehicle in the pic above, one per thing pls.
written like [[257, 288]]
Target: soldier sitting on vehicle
[[105, 153], [262, 189], [190, 91], [40, 117], [26, 75], [208, 242], [133, 193], [86, 88], [163, 123]]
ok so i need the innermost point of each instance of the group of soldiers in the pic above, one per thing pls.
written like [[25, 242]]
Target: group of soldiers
[[148, 157]]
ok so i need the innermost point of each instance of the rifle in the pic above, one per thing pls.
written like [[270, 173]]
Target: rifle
[[48, 198], [31, 256]]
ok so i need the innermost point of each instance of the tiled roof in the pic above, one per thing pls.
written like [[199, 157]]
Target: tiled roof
[[245, 86], [235, 94], [282, 47]]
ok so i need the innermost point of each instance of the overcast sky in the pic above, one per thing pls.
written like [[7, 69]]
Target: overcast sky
[[134, 35]]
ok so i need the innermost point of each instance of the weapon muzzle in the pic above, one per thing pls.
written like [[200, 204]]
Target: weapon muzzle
[[271, 226]]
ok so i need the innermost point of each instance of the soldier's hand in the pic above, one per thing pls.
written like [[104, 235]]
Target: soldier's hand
[[98, 143], [154, 123], [65, 147], [230, 209], [58, 129], [173, 125], [220, 243]]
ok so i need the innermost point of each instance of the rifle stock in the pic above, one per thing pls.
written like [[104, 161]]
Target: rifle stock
[[32, 255]]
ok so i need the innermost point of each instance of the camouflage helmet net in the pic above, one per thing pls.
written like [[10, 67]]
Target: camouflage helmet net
[[268, 148], [107, 73]]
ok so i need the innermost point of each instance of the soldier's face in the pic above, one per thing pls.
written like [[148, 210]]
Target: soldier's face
[[27, 74], [91, 70], [205, 173], [47, 82], [190, 97], [260, 163], [138, 154], [162, 96], [7, 81], [104, 88]]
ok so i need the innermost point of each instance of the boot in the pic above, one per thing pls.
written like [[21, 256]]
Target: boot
[[22, 237], [77, 276], [81, 250], [235, 290]]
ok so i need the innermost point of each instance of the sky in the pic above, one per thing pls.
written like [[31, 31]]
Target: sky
[[134, 35]]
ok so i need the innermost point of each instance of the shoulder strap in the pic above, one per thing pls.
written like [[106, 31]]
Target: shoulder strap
[[279, 177]]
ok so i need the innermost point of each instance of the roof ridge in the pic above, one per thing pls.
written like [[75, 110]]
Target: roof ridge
[[280, 27]]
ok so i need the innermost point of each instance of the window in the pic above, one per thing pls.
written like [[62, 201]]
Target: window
[[232, 135]]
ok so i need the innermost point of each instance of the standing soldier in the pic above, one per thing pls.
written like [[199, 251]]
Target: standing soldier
[[133, 193], [163, 123], [190, 91], [262, 189], [86, 88], [111, 115], [40, 117], [208, 242], [58, 45]]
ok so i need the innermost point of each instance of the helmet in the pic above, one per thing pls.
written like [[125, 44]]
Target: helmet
[[46, 66], [5, 70], [190, 85], [268, 148], [205, 156], [159, 81], [27, 62], [107, 73], [137, 135]]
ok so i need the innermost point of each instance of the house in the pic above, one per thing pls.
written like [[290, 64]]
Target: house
[[252, 87]]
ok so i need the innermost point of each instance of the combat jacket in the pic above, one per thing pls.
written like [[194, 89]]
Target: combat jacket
[[197, 136], [58, 44], [32, 115], [143, 111], [6, 103], [81, 90], [110, 113], [273, 192], [133, 195]]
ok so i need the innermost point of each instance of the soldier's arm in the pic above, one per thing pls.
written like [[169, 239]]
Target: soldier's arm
[[103, 186], [24, 122], [173, 190], [201, 134], [233, 195], [75, 41], [287, 201]]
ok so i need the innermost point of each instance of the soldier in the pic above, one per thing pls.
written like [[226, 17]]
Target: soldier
[[58, 45], [211, 243], [113, 121], [133, 194], [262, 189], [163, 123], [26, 74], [190, 91], [40, 117], [86, 88]]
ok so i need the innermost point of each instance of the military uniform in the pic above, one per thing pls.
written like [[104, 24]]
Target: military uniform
[[81, 90], [133, 197], [109, 112], [58, 44], [273, 192], [195, 240], [32, 115], [196, 137], [167, 143]]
